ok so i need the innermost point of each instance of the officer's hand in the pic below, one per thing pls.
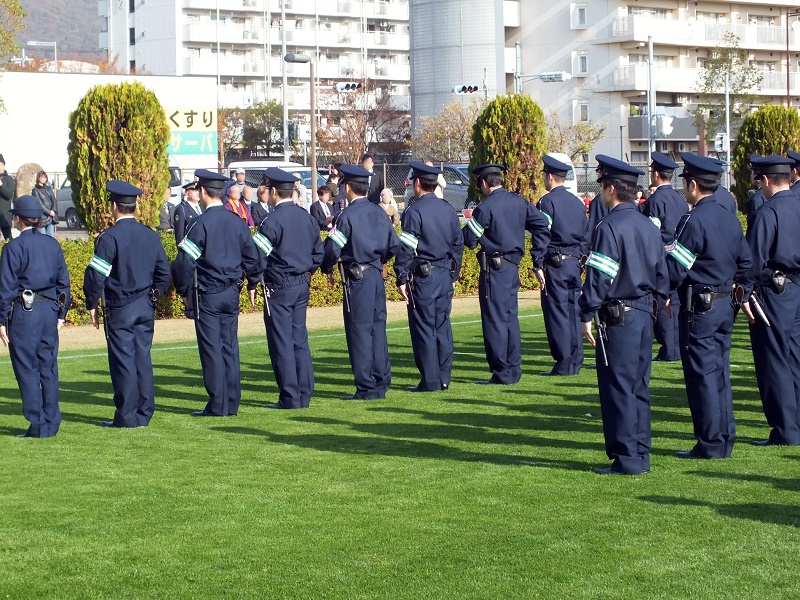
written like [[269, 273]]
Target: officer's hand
[[60, 324], [331, 282], [586, 328], [403, 288], [540, 277], [4, 335], [668, 308], [253, 298], [95, 318], [751, 318]]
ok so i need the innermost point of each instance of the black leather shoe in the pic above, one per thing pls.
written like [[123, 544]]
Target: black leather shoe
[[491, 381], [202, 413], [607, 471], [350, 397], [445, 386], [764, 443], [24, 435], [106, 423], [277, 405], [687, 454]]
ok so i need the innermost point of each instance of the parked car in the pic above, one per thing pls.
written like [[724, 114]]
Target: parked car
[[456, 176]]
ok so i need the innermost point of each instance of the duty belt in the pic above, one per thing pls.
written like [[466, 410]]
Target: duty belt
[[287, 281], [220, 287]]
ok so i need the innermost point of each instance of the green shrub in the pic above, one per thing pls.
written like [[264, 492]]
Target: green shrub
[[117, 132], [769, 130]]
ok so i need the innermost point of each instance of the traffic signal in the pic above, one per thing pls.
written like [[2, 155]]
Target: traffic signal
[[346, 86], [465, 89]]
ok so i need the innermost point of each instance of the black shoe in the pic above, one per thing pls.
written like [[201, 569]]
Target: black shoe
[[607, 471], [277, 405], [416, 388], [204, 413], [490, 381], [24, 435], [445, 386], [687, 454], [765, 443], [350, 397], [107, 424]]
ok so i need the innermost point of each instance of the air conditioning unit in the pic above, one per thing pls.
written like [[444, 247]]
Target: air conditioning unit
[[663, 146], [683, 147]]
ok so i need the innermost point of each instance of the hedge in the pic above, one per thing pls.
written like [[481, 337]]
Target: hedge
[[77, 254]]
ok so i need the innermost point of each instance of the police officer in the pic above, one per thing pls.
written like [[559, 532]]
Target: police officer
[[754, 202], [775, 276], [723, 195], [708, 256], [625, 272], [187, 210], [427, 267], [794, 177], [130, 271], [34, 297], [365, 240], [664, 208], [213, 258], [498, 224], [566, 214], [290, 241]]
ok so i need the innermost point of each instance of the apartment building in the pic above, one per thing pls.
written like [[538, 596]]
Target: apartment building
[[241, 43], [603, 45]]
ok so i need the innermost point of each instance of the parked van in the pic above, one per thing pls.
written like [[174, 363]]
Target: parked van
[[571, 182]]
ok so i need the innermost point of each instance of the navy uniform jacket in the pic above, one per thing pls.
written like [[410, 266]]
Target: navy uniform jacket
[[597, 211], [290, 240], [726, 200], [431, 233], [627, 261], [128, 262], [566, 214], [184, 213], [709, 249], [773, 238], [754, 202], [219, 244], [363, 235], [498, 224], [795, 187], [259, 212], [32, 261], [664, 208]]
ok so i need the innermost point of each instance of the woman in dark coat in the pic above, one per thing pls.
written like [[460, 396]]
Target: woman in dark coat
[[47, 197]]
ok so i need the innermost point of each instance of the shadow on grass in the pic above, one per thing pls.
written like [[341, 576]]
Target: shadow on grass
[[793, 485], [403, 449], [779, 514]]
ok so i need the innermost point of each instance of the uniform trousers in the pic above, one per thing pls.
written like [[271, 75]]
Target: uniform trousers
[[776, 356], [287, 339], [33, 347], [430, 327], [562, 319], [130, 337], [217, 341], [624, 393], [500, 323], [706, 372], [365, 329], [667, 331]]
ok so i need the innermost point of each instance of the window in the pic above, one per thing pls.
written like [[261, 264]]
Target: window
[[132, 66], [131, 5], [583, 64], [581, 16], [583, 111], [131, 36], [658, 13]]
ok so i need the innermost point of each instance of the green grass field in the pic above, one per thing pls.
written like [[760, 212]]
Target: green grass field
[[477, 492]]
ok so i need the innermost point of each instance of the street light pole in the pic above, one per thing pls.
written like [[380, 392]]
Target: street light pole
[[284, 85], [293, 57], [789, 14]]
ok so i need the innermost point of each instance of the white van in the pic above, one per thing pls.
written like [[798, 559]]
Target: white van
[[571, 182]]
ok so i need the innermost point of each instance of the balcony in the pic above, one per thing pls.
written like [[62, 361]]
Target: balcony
[[102, 8], [705, 34], [237, 5], [102, 40], [634, 78], [228, 66], [228, 34], [393, 41]]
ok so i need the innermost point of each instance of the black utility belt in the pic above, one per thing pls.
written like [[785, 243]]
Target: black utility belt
[[557, 260], [355, 271], [28, 298], [613, 312], [286, 282], [704, 298], [494, 260], [778, 280], [425, 268], [221, 288]]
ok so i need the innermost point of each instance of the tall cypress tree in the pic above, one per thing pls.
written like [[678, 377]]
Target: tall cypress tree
[[117, 132], [511, 131]]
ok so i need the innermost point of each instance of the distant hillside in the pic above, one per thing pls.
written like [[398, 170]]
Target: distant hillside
[[74, 24]]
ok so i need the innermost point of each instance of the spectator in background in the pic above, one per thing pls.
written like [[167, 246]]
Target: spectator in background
[[440, 183], [323, 209], [45, 194], [247, 194], [376, 184], [260, 208], [7, 188], [640, 197], [389, 205], [235, 205], [333, 179], [239, 180]]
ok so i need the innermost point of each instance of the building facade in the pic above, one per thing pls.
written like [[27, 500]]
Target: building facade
[[241, 43], [604, 46]]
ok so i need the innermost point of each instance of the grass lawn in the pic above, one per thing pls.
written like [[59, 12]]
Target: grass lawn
[[477, 492]]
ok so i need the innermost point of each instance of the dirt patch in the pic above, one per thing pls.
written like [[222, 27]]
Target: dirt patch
[[84, 337]]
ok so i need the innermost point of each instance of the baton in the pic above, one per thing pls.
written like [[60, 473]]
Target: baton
[[410, 291], [601, 335], [345, 287], [266, 296], [105, 313], [759, 309], [196, 297]]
